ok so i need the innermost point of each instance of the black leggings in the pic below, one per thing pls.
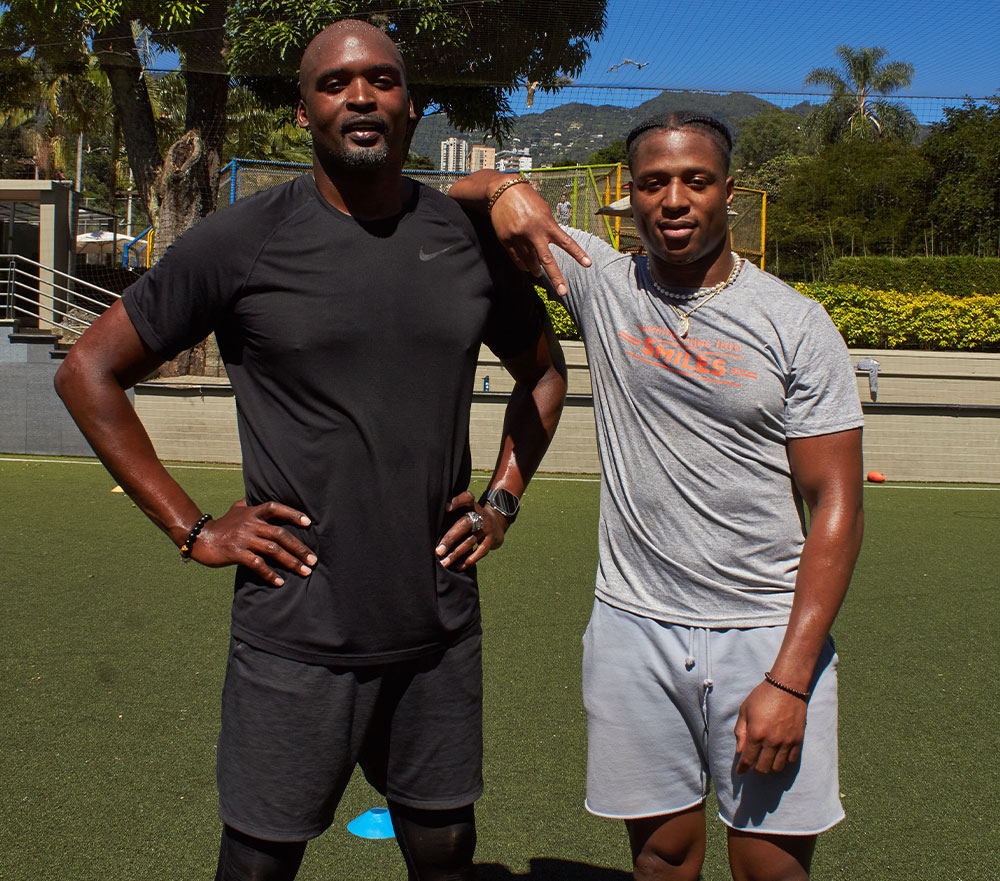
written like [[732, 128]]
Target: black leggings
[[436, 845], [244, 858]]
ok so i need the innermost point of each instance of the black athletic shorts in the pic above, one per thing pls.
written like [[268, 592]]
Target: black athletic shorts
[[292, 734]]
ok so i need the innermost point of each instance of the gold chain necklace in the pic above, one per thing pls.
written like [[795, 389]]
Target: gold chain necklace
[[683, 318]]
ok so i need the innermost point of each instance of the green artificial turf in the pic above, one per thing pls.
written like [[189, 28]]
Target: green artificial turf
[[112, 655]]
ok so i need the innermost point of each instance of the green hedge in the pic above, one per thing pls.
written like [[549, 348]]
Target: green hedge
[[892, 320], [881, 319], [561, 322], [956, 276]]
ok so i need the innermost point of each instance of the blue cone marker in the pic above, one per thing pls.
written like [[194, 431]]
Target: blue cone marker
[[375, 823]]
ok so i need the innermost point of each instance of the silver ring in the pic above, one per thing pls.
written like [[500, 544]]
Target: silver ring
[[475, 520]]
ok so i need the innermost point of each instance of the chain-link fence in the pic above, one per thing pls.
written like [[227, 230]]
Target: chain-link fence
[[748, 224], [244, 177], [586, 188], [573, 193]]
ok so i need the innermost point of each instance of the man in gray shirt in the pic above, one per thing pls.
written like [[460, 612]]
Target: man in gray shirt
[[723, 400], [564, 210]]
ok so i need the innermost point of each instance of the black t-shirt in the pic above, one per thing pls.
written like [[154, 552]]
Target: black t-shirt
[[351, 348]]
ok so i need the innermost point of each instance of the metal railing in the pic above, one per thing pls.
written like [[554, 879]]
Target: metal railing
[[36, 295]]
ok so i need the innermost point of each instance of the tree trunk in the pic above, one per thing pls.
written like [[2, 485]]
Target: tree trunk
[[113, 176], [119, 59], [180, 189], [207, 80], [190, 176], [207, 84]]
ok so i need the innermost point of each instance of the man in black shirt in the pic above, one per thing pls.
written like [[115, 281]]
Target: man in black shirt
[[349, 307]]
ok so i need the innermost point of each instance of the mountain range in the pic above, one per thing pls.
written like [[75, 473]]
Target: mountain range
[[574, 131]]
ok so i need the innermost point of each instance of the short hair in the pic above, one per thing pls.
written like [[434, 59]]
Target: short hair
[[345, 24], [715, 130]]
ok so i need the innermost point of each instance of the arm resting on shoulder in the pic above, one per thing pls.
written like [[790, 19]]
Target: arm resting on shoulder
[[523, 222], [530, 420], [92, 382], [827, 472]]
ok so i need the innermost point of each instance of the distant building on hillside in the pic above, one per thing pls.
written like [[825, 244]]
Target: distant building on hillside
[[454, 155], [482, 157], [514, 160]]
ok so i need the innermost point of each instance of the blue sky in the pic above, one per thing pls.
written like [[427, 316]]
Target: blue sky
[[768, 46]]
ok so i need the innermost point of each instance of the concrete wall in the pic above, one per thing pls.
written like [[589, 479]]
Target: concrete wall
[[32, 418], [937, 417], [933, 420], [190, 419], [574, 448]]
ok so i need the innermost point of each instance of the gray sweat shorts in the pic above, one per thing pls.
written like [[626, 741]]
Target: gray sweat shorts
[[292, 734], [662, 701]]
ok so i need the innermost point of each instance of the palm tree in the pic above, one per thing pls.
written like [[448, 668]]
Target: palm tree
[[857, 105], [77, 107], [257, 131]]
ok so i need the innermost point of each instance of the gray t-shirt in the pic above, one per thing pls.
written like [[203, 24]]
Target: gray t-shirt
[[700, 524]]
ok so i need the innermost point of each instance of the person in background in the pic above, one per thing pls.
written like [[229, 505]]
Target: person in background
[[564, 210]]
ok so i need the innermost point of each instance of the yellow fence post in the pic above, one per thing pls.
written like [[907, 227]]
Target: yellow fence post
[[763, 226], [618, 195]]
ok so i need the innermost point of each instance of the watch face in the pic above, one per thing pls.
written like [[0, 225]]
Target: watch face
[[505, 502]]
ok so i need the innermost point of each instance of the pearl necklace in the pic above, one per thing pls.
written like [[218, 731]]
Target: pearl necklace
[[705, 293]]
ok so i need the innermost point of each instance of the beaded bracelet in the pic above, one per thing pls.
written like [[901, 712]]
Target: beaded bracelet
[[193, 537], [801, 695], [501, 190]]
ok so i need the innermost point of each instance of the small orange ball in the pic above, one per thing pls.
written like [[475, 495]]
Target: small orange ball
[[876, 477]]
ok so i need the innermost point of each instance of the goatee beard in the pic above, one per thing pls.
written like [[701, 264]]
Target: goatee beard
[[367, 157]]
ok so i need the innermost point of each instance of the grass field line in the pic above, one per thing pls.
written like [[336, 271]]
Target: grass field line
[[555, 478], [949, 486], [217, 467]]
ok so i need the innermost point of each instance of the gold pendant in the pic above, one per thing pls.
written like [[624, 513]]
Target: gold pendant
[[684, 326]]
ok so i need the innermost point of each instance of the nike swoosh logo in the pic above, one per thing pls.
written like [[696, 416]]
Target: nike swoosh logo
[[425, 256]]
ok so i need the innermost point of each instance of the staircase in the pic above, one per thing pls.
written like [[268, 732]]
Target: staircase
[[37, 298]]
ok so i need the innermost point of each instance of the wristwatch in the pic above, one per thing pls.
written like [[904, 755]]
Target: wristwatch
[[505, 502]]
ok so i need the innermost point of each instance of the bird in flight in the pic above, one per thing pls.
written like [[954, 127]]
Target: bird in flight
[[626, 61]]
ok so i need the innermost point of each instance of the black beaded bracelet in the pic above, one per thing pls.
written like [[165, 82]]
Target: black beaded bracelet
[[801, 695], [193, 537]]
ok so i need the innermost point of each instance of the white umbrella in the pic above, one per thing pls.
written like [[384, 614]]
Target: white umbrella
[[100, 241]]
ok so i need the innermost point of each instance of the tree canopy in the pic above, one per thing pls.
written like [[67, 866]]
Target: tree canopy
[[613, 152], [768, 135], [464, 59], [964, 150], [886, 198], [854, 198]]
